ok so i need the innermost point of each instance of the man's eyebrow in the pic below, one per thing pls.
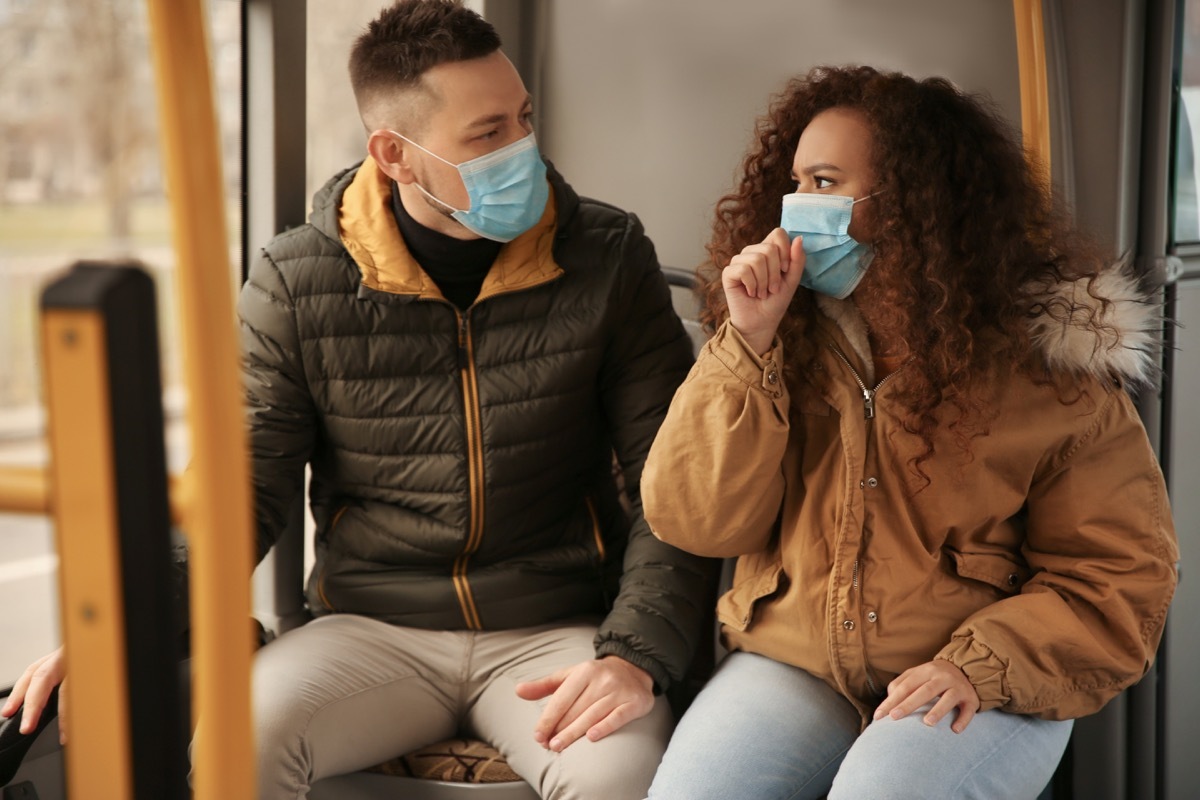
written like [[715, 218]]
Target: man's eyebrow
[[496, 119]]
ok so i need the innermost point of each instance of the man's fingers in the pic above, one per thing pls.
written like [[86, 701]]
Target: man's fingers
[[560, 703], [616, 719], [542, 687], [581, 718]]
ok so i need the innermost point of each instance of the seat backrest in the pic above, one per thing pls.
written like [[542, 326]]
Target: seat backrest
[[685, 296]]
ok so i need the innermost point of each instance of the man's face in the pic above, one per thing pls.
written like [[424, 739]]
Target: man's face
[[478, 106]]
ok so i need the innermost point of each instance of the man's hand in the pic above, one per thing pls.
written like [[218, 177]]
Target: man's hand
[[33, 689], [917, 686], [593, 698]]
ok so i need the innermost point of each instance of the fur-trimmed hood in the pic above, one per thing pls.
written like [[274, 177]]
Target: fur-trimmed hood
[[1110, 331]]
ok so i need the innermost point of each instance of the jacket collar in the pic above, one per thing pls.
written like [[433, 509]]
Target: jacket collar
[[367, 229], [1070, 326]]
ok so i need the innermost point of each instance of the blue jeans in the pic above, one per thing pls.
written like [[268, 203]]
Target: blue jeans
[[762, 730]]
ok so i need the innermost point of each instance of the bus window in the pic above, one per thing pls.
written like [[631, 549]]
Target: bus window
[[335, 135], [1186, 222], [80, 177]]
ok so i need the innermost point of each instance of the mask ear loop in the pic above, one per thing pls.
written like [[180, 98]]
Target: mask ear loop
[[856, 202], [422, 149], [425, 191]]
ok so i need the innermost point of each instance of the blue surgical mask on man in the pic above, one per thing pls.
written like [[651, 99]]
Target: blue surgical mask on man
[[507, 189], [834, 261]]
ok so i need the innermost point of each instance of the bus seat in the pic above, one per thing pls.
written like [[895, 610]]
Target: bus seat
[[372, 786], [459, 769]]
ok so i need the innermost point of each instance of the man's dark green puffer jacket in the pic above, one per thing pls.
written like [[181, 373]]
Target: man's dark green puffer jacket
[[462, 461]]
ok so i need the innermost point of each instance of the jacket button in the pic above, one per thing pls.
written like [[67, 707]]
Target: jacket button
[[1012, 579], [848, 624], [772, 377], [872, 482], [872, 616]]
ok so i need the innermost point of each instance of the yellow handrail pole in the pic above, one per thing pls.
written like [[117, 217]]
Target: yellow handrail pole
[[26, 490], [86, 532], [1035, 95], [219, 521]]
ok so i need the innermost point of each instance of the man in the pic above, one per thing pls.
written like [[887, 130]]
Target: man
[[458, 344], [458, 352]]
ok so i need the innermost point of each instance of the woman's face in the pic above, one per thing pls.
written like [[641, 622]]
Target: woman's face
[[834, 157]]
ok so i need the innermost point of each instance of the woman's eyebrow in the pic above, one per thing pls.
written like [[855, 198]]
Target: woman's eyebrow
[[815, 168]]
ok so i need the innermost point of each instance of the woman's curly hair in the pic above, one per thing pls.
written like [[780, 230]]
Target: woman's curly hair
[[964, 228]]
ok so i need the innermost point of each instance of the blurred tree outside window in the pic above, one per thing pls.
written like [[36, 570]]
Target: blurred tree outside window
[[81, 178]]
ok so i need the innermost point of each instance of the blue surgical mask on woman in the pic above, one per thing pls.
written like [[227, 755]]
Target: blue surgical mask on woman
[[507, 189], [834, 261]]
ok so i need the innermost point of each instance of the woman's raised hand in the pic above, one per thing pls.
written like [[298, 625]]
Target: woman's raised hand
[[759, 284]]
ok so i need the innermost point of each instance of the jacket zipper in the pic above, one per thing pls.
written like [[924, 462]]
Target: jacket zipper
[[868, 413], [868, 394], [867, 671], [591, 507], [466, 365], [474, 423], [337, 516]]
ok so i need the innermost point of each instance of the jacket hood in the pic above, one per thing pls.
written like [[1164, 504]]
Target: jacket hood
[[1078, 331], [1111, 331]]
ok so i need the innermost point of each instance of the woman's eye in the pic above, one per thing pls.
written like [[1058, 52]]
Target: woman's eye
[[822, 183]]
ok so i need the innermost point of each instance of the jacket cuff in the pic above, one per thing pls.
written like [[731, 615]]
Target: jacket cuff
[[657, 672], [983, 669], [764, 374]]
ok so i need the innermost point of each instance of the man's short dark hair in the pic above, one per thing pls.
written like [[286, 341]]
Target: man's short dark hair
[[411, 37]]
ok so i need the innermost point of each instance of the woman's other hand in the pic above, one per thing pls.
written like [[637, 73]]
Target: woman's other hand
[[917, 686], [759, 284]]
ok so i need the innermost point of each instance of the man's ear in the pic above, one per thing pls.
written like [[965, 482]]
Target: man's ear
[[392, 154]]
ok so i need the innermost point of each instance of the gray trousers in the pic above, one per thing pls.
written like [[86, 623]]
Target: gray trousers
[[346, 692]]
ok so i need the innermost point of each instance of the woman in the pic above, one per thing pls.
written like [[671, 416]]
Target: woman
[[911, 428]]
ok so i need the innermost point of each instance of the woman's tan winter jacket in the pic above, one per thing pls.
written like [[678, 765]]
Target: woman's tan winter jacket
[[1042, 565]]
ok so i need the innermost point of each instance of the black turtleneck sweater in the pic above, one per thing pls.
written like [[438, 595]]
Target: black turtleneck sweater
[[457, 266]]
